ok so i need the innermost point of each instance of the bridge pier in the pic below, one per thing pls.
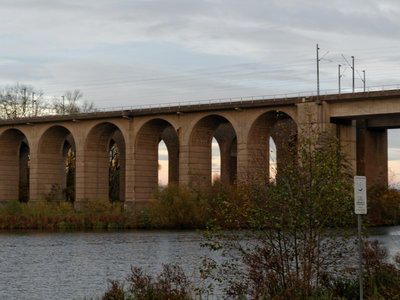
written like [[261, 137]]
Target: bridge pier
[[372, 154]]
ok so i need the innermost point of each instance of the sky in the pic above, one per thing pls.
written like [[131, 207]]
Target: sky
[[141, 52]]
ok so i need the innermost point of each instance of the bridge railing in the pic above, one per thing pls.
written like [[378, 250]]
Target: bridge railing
[[250, 98], [51, 113]]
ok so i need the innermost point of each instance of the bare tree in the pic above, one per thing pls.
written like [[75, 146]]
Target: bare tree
[[69, 103], [20, 101]]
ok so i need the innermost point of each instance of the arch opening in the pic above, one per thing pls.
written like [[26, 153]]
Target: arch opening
[[271, 144], [24, 162], [104, 170], [215, 161], [70, 171], [14, 166], [114, 168], [55, 166], [213, 152], [157, 143], [272, 160], [163, 165]]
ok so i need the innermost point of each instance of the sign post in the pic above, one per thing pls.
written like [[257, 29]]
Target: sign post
[[360, 208]]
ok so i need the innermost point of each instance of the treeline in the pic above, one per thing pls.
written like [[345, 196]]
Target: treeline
[[22, 100]]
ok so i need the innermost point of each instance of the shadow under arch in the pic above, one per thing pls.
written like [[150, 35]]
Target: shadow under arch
[[14, 166], [207, 128], [100, 146], [50, 170], [146, 157], [283, 130]]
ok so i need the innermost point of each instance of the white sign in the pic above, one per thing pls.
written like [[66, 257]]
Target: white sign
[[360, 195]]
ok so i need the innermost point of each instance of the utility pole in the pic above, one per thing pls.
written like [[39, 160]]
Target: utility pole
[[364, 79], [317, 71], [63, 105], [352, 67], [339, 76]]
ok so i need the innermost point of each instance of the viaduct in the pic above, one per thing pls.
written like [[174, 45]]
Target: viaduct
[[242, 130]]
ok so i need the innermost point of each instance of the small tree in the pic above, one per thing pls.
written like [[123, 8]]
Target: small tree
[[285, 232]]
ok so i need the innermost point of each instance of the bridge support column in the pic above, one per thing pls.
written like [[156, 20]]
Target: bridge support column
[[347, 135], [242, 162], [372, 154], [184, 177], [79, 175]]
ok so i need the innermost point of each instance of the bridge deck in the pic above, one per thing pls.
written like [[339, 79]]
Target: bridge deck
[[272, 102]]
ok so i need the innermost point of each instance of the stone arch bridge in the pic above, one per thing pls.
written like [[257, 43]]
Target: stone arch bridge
[[242, 130]]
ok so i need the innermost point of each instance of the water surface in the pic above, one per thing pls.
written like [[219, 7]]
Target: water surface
[[77, 265]]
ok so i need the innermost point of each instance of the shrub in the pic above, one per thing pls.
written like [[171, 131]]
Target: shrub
[[178, 207], [286, 232], [383, 205], [171, 283], [382, 278], [115, 292]]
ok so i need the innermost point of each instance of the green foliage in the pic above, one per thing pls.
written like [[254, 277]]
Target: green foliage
[[178, 207], [383, 205]]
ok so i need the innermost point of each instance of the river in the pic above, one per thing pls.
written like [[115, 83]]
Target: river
[[77, 265]]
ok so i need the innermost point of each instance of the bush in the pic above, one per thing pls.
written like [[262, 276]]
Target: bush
[[287, 231], [115, 292], [381, 278], [179, 208], [383, 205], [171, 283]]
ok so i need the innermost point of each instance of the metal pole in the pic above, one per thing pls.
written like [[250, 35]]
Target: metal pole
[[352, 58], [317, 71], [360, 257], [339, 76], [63, 105], [364, 79]]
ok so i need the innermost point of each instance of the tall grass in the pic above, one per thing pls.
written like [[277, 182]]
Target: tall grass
[[100, 214], [172, 208], [178, 207]]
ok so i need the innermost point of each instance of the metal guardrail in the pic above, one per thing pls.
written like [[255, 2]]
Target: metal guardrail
[[249, 98], [149, 107]]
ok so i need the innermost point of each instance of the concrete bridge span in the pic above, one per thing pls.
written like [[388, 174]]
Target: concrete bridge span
[[242, 130]]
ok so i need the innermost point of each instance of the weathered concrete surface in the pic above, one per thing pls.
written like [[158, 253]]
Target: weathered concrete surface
[[242, 130]]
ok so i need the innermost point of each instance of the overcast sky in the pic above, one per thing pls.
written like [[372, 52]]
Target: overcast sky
[[134, 52]]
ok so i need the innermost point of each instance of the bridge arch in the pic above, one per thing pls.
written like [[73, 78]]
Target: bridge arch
[[207, 128], [146, 156], [104, 153], [49, 167], [14, 166], [282, 129]]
